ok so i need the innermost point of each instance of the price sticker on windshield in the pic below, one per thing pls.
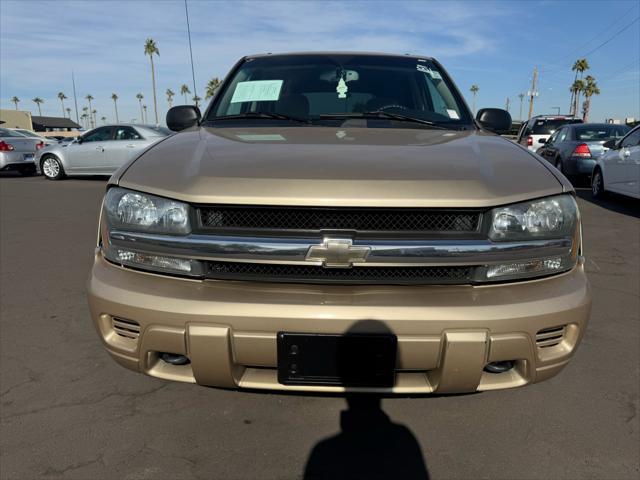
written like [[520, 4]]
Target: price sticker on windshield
[[257, 91]]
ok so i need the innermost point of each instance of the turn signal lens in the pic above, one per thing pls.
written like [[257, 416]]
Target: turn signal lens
[[40, 145]]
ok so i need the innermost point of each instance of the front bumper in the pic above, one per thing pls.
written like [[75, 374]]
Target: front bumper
[[446, 334]]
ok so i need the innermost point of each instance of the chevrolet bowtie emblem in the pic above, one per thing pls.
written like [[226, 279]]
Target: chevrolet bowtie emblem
[[337, 253]]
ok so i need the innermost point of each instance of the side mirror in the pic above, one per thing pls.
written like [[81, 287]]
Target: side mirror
[[543, 140], [610, 144], [182, 116], [494, 119], [79, 139]]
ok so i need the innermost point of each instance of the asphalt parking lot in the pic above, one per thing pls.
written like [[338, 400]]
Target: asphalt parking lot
[[67, 410]]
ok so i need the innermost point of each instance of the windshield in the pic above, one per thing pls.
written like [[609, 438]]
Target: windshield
[[600, 132], [5, 132], [547, 126], [318, 88], [27, 133]]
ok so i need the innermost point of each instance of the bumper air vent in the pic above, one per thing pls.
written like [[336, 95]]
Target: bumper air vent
[[550, 337], [126, 328]]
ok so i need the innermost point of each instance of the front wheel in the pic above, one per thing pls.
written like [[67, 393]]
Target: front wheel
[[52, 168], [597, 184]]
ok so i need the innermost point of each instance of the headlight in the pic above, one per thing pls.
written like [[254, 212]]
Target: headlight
[[549, 218], [552, 217], [129, 210]]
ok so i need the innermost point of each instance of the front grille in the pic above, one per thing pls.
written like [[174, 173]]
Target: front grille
[[358, 275], [126, 328], [550, 337], [357, 219]]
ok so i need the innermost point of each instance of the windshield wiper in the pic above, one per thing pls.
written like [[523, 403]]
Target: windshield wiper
[[254, 115], [381, 114]]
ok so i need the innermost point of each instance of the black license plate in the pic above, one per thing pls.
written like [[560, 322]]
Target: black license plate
[[364, 360]]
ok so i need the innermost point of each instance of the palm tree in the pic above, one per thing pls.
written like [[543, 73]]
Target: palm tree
[[144, 117], [150, 48], [184, 90], [94, 118], [68, 112], [104, 120], [84, 117], [196, 99], [62, 98], [15, 100], [114, 97], [170, 94], [474, 89], [89, 97], [212, 86], [579, 66], [38, 101], [590, 89], [576, 88], [139, 96], [521, 97]]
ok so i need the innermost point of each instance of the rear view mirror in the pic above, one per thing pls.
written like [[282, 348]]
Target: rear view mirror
[[611, 144], [494, 119], [182, 117]]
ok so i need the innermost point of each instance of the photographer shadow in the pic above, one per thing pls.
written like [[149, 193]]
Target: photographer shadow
[[369, 445]]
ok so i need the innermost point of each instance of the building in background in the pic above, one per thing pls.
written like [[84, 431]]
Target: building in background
[[59, 125], [16, 119]]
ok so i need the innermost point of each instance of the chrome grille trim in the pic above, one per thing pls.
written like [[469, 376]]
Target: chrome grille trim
[[283, 250]]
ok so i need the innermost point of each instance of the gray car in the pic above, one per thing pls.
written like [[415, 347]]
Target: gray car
[[574, 149], [100, 151], [17, 151]]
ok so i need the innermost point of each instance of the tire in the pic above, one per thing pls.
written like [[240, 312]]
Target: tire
[[597, 184], [558, 165], [52, 168]]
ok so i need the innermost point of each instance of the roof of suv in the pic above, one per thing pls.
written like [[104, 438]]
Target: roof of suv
[[341, 53]]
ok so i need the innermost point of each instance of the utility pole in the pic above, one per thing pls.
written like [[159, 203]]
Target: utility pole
[[507, 105], [533, 93]]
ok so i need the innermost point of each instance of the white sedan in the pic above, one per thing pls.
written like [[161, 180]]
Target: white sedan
[[618, 170]]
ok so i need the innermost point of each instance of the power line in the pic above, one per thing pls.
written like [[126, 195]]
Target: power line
[[617, 20], [611, 38]]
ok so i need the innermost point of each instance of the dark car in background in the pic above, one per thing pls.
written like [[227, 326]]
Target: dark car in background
[[574, 149], [535, 132]]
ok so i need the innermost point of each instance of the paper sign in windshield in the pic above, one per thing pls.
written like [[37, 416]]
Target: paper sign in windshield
[[257, 91]]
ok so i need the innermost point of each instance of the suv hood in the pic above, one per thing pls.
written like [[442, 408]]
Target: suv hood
[[340, 167]]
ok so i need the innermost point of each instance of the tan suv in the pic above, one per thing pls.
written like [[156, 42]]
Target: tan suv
[[339, 222]]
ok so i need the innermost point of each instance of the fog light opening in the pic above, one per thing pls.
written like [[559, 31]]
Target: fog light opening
[[499, 367], [174, 358]]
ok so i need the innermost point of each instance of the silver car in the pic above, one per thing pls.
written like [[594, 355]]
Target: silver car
[[17, 151], [28, 133], [100, 151], [618, 170]]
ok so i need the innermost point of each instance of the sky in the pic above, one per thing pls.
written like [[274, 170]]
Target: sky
[[493, 44]]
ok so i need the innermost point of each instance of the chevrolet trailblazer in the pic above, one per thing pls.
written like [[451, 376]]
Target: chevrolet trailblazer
[[340, 222]]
